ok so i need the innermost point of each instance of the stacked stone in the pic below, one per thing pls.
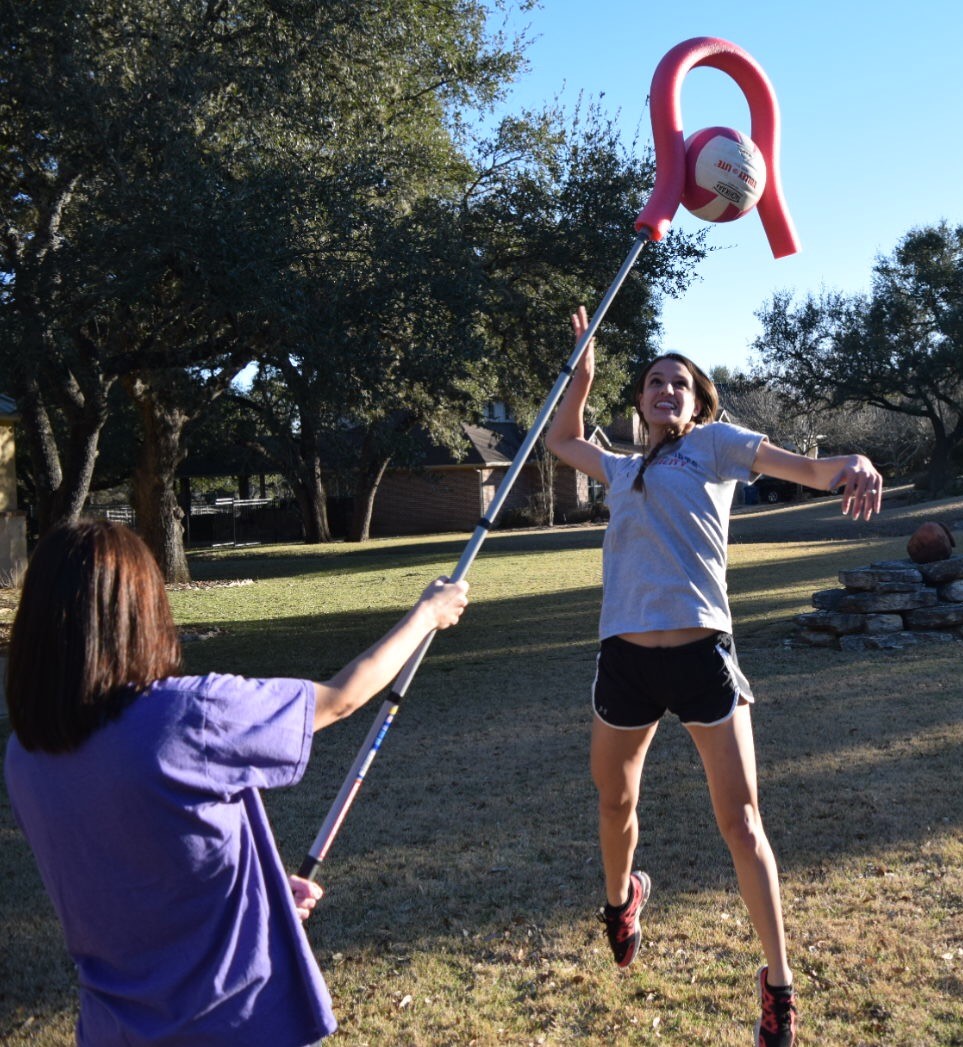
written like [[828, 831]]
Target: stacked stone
[[889, 605]]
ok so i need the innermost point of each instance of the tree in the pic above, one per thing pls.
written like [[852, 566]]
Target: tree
[[759, 405], [384, 309], [170, 174], [134, 235], [899, 349], [552, 213]]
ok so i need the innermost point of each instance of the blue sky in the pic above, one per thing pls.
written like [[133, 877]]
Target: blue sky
[[871, 98]]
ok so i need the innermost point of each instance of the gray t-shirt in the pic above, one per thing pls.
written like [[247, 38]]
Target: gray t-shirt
[[664, 556]]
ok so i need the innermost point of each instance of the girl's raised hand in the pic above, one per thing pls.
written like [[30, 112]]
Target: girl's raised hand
[[580, 322]]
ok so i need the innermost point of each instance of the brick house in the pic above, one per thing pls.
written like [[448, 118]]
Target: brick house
[[442, 493], [446, 494]]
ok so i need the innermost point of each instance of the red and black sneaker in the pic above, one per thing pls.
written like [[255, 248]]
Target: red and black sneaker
[[777, 1026], [622, 925]]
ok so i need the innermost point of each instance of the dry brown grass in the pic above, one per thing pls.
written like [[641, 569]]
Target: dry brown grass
[[461, 891]]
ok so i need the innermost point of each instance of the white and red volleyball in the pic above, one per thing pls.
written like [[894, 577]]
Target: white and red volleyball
[[725, 174]]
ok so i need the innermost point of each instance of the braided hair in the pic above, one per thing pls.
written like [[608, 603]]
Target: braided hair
[[706, 394]]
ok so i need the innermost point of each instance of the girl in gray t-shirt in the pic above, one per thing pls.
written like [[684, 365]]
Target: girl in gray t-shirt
[[665, 634]]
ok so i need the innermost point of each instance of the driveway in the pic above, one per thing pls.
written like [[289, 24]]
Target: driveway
[[815, 519]]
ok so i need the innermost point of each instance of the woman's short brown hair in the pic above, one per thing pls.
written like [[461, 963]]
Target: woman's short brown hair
[[93, 629]]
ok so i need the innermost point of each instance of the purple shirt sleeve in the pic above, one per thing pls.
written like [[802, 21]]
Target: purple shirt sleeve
[[238, 733]]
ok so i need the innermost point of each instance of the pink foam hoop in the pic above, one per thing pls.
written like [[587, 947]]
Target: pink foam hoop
[[665, 96]]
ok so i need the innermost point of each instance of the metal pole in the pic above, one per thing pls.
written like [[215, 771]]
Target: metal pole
[[399, 688]]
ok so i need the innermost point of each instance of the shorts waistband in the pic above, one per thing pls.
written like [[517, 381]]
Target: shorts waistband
[[712, 640]]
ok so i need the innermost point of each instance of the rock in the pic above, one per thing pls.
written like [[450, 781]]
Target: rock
[[888, 606], [942, 616], [942, 571], [816, 638], [930, 542], [895, 579], [872, 602], [882, 623], [878, 642], [928, 636], [952, 592], [832, 622]]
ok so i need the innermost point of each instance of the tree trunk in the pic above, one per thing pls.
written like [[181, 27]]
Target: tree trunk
[[159, 513], [62, 478], [366, 489], [940, 471], [312, 499], [44, 455], [546, 476]]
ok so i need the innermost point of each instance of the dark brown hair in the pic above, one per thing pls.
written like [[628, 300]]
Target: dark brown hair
[[93, 629], [705, 392]]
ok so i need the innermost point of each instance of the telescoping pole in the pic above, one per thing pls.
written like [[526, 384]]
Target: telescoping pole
[[399, 688], [651, 224]]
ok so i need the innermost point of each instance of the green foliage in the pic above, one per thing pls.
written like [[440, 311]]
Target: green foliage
[[171, 177], [900, 348], [189, 187], [552, 210]]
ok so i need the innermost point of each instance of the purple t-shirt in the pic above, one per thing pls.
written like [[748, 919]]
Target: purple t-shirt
[[155, 848]]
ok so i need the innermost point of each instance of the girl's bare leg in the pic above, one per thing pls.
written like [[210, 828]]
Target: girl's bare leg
[[729, 759], [617, 757]]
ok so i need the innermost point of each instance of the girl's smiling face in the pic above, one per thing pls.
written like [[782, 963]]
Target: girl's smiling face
[[668, 397]]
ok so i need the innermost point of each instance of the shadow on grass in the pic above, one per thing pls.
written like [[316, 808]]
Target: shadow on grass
[[287, 561]]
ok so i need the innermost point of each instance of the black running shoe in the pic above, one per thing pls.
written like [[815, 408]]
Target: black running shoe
[[777, 1026], [623, 927]]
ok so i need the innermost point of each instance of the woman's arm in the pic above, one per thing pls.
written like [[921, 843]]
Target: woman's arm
[[862, 484], [565, 437], [439, 606]]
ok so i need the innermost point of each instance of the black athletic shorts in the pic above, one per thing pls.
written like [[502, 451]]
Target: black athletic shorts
[[700, 682]]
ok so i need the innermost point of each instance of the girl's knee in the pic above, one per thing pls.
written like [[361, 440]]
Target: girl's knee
[[742, 829], [617, 799]]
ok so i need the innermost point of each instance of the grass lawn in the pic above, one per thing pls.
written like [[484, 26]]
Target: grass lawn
[[462, 889]]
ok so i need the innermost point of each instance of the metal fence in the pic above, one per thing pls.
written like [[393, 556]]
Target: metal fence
[[226, 521]]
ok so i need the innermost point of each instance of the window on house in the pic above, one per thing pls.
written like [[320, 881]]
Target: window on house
[[496, 411]]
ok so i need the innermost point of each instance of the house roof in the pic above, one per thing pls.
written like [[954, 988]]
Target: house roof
[[492, 445], [497, 444]]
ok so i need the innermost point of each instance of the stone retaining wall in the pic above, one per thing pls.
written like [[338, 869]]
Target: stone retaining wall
[[888, 605]]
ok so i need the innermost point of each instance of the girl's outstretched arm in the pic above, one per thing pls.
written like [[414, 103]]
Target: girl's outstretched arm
[[861, 482], [439, 606], [565, 437]]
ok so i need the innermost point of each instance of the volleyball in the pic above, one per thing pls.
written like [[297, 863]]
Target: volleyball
[[725, 174]]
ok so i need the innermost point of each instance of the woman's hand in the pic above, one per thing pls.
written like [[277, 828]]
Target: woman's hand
[[862, 487], [445, 601], [306, 893], [854, 473]]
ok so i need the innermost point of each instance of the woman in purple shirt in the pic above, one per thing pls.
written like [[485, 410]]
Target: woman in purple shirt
[[138, 790]]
